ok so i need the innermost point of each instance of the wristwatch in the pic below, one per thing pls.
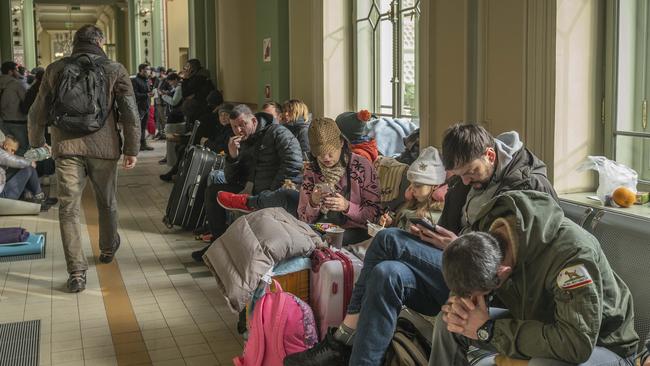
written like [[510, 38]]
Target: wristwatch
[[484, 333]]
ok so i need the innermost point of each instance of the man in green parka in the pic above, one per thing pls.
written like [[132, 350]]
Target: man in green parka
[[563, 302]]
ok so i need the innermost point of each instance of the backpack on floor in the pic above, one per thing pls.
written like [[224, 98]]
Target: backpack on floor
[[408, 347], [80, 104], [282, 325]]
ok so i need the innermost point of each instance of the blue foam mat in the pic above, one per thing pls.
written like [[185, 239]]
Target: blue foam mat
[[33, 245]]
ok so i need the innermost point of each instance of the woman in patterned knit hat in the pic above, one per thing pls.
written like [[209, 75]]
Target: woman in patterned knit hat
[[339, 186]]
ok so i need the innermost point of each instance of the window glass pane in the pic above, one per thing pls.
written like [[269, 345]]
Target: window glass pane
[[635, 153], [385, 59], [365, 66], [408, 69], [408, 4], [384, 5], [363, 8], [632, 66]]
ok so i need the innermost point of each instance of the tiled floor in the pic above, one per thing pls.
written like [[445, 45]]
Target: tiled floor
[[179, 317]]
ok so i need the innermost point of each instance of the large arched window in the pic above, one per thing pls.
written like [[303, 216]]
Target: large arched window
[[386, 33]]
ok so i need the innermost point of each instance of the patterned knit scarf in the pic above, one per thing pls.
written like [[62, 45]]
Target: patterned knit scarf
[[332, 175]]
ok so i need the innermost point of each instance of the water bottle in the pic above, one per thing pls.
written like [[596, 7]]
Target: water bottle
[[38, 154]]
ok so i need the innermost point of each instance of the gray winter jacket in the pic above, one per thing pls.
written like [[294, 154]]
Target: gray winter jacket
[[251, 247], [10, 161], [12, 94]]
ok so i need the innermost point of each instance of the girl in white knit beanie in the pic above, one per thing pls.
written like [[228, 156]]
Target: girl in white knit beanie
[[426, 193]]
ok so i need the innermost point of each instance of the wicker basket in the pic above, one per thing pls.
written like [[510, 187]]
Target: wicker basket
[[296, 283]]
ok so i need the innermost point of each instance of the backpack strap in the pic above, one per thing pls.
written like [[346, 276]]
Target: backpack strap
[[259, 341], [280, 317]]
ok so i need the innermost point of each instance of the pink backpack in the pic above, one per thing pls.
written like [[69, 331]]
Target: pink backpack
[[282, 325]]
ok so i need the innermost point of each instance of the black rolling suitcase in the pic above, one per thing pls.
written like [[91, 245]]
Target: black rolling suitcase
[[185, 206]]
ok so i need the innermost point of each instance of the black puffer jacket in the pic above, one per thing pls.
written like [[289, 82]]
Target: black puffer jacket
[[524, 172], [267, 158], [141, 91], [300, 128]]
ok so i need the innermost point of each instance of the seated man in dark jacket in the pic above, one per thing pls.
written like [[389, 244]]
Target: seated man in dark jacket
[[404, 268], [561, 309], [260, 157]]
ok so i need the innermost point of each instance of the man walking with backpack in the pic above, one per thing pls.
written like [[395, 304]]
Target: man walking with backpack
[[78, 98]]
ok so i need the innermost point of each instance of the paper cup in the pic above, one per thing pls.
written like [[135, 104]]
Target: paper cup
[[334, 237]]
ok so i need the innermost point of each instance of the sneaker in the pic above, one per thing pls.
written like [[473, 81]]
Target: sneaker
[[329, 352], [35, 198], [145, 147], [77, 281], [162, 161], [107, 257], [234, 202], [198, 254]]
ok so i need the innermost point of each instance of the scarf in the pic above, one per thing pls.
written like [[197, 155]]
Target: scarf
[[332, 175]]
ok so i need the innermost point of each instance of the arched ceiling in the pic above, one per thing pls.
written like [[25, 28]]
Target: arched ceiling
[[62, 15]]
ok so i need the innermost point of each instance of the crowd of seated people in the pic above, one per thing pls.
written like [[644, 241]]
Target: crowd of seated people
[[499, 219]]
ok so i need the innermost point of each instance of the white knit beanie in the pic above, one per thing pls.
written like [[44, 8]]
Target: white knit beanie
[[427, 168]]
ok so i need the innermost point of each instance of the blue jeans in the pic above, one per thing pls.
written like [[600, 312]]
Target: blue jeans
[[24, 179], [398, 270]]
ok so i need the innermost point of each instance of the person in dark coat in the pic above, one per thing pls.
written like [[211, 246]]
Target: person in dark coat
[[142, 97], [196, 87], [261, 156]]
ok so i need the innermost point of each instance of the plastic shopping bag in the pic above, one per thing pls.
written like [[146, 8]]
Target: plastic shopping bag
[[611, 175]]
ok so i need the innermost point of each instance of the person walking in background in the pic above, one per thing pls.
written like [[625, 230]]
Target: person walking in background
[[142, 97], [90, 149]]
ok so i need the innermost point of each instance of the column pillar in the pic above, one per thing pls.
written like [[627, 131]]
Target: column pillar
[[29, 40], [6, 52], [134, 37], [122, 40], [197, 29], [158, 38]]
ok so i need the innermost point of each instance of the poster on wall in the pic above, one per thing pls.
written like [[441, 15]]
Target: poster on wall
[[266, 49], [267, 91]]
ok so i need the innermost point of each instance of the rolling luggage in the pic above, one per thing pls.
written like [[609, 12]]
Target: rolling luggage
[[333, 275], [185, 206]]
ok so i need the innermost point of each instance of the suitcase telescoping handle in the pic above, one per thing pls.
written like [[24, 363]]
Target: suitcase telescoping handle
[[195, 128]]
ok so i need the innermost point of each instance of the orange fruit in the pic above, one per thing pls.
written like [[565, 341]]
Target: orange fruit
[[624, 197]]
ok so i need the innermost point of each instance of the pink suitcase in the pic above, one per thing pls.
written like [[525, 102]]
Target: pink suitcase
[[333, 274]]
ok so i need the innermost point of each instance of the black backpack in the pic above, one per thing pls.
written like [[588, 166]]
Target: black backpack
[[80, 103]]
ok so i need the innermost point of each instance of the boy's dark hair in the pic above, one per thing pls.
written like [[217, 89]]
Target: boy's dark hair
[[88, 34], [173, 76], [8, 66], [195, 64], [463, 143], [142, 67], [470, 263]]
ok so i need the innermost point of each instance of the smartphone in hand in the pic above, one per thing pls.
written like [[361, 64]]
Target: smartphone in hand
[[424, 223]]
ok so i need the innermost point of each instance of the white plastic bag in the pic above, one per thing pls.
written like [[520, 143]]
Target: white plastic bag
[[611, 175]]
